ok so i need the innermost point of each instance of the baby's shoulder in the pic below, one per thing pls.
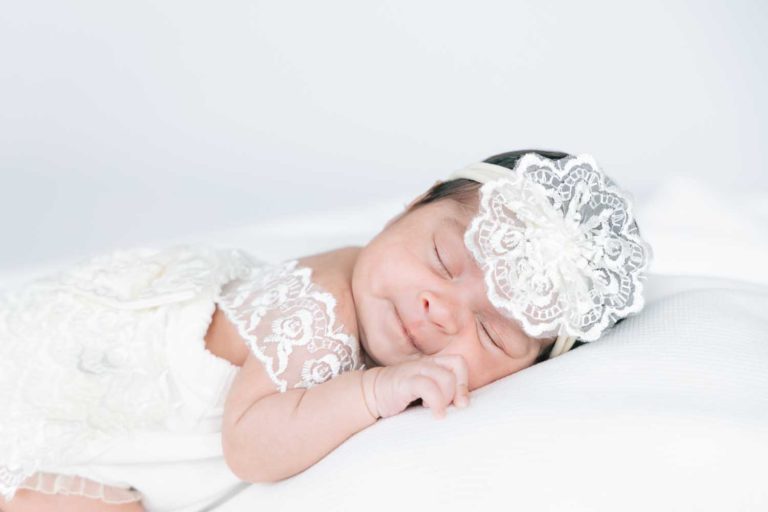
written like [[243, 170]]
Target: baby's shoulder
[[331, 272], [305, 334]]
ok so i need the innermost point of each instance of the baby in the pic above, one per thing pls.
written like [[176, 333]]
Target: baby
[[480, 277], [418, 300]]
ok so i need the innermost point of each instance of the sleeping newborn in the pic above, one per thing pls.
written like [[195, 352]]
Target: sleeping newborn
[[468, 285]]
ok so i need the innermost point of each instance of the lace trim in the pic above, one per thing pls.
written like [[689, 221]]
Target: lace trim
[[303, 345], [50, 483]]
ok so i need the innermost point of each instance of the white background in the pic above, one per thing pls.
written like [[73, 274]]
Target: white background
[[128, 122]]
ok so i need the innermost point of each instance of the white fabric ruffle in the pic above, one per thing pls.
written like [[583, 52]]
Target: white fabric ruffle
[[106, 350], [50, 483]]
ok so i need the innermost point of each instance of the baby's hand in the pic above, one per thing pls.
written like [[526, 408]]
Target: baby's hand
[[437, 380]]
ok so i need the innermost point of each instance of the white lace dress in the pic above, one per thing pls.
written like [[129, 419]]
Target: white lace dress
[[109, 391]]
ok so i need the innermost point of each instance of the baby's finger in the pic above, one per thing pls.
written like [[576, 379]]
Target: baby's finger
[[431, 396], [442, 376], [458, 365]]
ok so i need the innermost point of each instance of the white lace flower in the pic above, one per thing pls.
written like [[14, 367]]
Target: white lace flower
[[559, 247], [317, 371]]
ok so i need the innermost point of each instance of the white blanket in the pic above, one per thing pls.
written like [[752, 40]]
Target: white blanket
[[668, 411]]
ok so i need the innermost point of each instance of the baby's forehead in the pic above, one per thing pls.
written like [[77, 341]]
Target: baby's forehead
[[453, 211], [456, 222]]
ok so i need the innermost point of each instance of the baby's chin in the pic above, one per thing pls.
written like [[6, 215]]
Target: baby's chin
[[366, 354], [367, 360], [370, 357]]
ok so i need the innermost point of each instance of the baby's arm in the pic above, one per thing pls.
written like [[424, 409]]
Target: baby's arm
[[269, 436], [281, 434]]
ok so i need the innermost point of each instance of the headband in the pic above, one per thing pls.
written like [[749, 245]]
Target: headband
[[558, 245]]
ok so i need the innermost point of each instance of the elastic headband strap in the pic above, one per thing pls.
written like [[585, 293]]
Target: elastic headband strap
[[482, 172]]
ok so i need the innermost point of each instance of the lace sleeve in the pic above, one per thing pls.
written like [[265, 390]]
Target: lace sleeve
[[289, 324]]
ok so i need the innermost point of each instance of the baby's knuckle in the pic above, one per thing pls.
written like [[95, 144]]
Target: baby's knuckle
[[422, 384]]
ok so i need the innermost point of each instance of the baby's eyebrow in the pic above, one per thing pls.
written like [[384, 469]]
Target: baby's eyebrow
[[499, 340], [459, 229]]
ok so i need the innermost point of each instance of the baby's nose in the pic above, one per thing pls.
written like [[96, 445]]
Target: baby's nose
[[440, 311]]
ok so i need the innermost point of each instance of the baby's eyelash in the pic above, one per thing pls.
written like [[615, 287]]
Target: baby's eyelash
[[489, 335], [441, 260]]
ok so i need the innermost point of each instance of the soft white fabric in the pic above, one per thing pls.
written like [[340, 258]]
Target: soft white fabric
[[698, 230], [110, 391], [106, 352], [668, 411], [661, 425]]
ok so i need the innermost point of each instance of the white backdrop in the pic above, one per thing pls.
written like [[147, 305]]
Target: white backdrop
[[138, 121]]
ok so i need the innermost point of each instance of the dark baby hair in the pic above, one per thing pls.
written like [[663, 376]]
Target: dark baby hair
[[465, 190]]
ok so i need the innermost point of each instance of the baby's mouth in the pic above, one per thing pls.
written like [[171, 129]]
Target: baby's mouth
[[405, 331]]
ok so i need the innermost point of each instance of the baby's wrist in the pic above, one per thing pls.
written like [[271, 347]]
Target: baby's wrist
[[368, 384]]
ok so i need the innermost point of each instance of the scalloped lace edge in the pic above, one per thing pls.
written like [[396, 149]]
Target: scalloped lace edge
[[50, 483]]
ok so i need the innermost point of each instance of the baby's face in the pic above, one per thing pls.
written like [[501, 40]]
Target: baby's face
[[398, 280]]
